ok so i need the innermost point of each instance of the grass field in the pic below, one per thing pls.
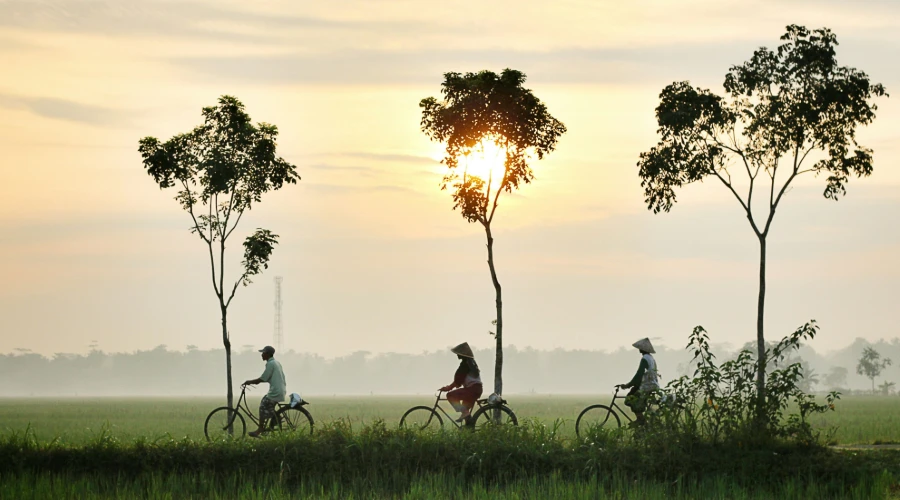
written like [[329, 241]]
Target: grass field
[[439, 486], [154, 448], [858, 419]]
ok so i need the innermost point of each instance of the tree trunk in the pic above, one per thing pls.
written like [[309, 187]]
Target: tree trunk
[[227, 343], [760, 336], [498, 363]]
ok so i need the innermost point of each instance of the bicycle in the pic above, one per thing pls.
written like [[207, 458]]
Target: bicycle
[[596, 416], [287, 418], [424, 417]]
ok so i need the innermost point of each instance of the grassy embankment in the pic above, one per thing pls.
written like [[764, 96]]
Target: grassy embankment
[[135, 457]]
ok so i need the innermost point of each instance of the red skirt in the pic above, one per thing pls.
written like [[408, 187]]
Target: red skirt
[[465, 397]]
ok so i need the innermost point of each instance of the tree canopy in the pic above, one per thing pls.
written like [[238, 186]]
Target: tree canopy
[[485, 106], [780, 106], [221, 168]]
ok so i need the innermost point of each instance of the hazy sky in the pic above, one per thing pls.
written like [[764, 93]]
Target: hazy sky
[[373, 257]]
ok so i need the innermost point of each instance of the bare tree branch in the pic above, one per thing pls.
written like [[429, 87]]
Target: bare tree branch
[[782, 191], [236, 222], [739, 199], [234, 289]]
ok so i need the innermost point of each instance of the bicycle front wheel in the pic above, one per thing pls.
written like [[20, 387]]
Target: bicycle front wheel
[[420, 418], [596, 417], [485, 417], [223, 424], [295, 419]]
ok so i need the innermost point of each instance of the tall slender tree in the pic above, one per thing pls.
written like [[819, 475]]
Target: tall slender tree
[[480, 112], [221, 169], [871, 364], [780, 107]]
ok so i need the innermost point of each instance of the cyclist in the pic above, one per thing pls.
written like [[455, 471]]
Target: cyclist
[[274, 375], [645, 381], [468, 379]]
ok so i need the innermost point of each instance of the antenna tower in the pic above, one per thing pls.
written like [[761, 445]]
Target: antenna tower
[[279, 330]]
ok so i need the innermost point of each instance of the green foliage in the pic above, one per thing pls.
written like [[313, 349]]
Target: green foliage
[[443, 486], [480, 107], [222, 168], [258, 248], [871, 365], [387, 461], [719, 404], [786, 102]]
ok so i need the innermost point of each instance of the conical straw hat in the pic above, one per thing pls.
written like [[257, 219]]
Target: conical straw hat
[[463, 350], [644, 345]]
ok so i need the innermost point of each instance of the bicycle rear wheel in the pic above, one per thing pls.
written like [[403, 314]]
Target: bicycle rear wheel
[[596, 417], [295, 419], [421, 417], [484, 417], [218, 422]]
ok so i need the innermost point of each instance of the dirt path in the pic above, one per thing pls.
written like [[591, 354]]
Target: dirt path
[[867, 447]]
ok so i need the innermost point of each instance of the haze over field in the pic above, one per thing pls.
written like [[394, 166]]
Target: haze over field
[[372, 256], [162, 371]]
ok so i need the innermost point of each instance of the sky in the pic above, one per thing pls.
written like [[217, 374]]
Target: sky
[[372, 255]]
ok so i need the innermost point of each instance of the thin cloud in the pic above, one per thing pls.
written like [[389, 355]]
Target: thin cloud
[[197, 20], [393, 158], [654, 64], [342, 188], [426, 66], [350, 168], [63, 109]]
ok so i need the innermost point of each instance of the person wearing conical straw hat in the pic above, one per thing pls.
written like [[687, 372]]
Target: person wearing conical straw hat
[[645, 381], [468, 379]]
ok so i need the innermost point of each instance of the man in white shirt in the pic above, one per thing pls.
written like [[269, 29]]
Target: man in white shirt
[[274, 375]]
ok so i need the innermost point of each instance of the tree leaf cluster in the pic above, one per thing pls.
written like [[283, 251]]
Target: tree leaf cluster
[[480, 107], [778, 107]]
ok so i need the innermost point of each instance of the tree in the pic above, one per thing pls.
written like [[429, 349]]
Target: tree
[[221, 169], [837, 377], [871, 365], [779, 107], [481, 112], [886, 388]]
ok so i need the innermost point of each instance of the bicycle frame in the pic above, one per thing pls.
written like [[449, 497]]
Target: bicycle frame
[[437, 406], [621, 410], [243, 406]]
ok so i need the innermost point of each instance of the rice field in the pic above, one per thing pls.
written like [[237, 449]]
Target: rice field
[[154, 448], [857, 419]]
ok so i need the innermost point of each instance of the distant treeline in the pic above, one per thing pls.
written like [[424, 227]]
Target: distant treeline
[[160, 371]]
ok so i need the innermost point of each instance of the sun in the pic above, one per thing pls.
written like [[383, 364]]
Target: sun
[[486, 161]]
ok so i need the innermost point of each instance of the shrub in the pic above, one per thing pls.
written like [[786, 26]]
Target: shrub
[[719, 404]]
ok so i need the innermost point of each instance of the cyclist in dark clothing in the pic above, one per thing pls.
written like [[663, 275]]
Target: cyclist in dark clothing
[[644, 381], [468, 379]]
